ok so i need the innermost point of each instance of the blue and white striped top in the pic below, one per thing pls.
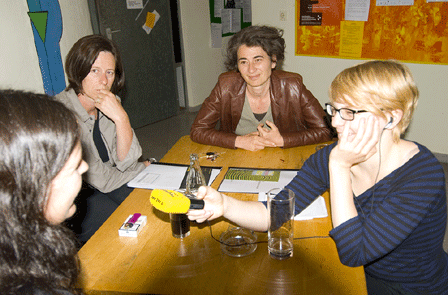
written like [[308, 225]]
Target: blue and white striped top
[[398, 233]]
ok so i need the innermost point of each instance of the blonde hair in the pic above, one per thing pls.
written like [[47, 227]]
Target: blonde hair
[[379, 87]]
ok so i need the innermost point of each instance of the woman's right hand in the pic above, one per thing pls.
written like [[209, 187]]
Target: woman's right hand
[[213, 205], [110, 106], [356, 148]]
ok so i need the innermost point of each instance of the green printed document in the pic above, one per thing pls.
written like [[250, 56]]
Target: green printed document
[[247, 180], [252, 175]]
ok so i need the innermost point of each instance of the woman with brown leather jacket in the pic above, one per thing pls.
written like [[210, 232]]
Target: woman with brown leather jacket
[[257, 105]]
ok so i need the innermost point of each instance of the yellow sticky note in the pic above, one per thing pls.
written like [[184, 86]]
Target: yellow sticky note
[[150, 19]]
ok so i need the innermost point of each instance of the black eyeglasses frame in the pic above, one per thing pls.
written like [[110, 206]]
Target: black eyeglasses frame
[[329, 107]]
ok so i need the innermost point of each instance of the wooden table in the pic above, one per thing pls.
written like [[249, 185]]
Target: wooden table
[[157, 263]]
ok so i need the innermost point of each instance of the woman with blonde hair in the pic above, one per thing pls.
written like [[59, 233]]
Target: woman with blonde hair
[[387, 194]]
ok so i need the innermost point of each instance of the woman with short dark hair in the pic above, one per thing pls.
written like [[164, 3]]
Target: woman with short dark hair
[[256, 104], [95, 73], [83, 55], [270, 39]]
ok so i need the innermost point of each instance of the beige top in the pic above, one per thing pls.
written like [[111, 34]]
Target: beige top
[[248, 123], [110, 175]]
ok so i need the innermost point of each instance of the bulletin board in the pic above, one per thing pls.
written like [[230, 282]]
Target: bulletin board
[[217, 20], [416, 33]]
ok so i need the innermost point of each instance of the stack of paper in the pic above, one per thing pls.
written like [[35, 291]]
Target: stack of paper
[[167, 176]]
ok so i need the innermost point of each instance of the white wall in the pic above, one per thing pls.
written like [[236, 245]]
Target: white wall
[[75, 23], [19, 67], [203, 64], [430, 123], [19, 64]]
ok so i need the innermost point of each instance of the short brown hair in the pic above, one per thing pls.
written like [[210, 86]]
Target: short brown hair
[[378, 86], [83, 55], [268, 38]]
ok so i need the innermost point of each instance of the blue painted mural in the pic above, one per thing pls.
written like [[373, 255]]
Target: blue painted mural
[[46, 22]]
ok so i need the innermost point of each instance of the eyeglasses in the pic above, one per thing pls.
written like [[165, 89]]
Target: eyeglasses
[[346, 114]]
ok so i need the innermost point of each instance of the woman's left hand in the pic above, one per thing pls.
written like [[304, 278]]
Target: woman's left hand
[[273, 135]]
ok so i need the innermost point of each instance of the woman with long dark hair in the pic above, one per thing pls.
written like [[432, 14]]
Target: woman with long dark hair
[[40, 176]]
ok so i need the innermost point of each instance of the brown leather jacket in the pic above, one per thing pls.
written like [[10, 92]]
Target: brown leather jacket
[[296, 112]]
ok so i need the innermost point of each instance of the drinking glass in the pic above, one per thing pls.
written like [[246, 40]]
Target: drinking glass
[[180, 225], [281, 224]]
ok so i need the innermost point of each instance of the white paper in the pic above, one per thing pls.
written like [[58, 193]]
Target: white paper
[[159, 176], [255, 187], [394, 2], [146, 29], [317, 209], [216, 35], [357, 10], [231, 20], [218, 7], [246, 6], [134, 4]]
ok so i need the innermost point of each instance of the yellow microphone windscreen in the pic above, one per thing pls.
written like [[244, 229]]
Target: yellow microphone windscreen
[[170, 201]]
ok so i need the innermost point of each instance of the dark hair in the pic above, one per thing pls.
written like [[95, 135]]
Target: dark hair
[[83, 55], [38, 136], [268, 38]]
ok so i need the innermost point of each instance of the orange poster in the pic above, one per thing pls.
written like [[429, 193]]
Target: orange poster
[[416, 33]]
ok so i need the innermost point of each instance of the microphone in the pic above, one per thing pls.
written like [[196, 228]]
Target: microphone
[[170, 201]]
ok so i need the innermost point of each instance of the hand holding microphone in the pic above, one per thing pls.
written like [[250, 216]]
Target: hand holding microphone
[[170, 201]]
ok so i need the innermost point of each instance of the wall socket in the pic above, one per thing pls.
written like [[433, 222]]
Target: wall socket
[[283, 15]]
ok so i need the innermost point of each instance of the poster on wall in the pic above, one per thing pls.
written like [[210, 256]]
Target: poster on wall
[[415, 31], [320, 13]]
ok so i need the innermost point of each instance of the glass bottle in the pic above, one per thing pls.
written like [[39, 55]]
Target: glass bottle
[[180, 224], [195, 177]]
